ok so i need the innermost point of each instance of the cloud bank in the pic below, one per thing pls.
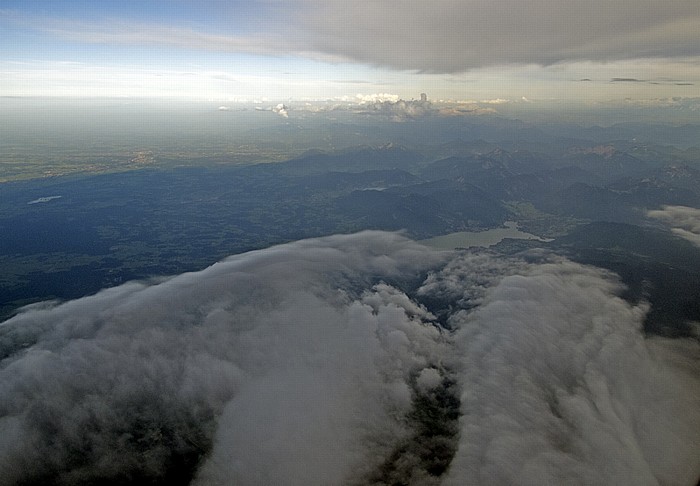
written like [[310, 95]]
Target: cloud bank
[[337, 361]]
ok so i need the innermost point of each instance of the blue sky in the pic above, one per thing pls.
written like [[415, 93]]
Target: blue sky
[[593, 51]]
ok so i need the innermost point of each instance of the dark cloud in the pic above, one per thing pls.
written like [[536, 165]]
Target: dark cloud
[[448, 36], [650, 81], [316, 363], [457, 35]]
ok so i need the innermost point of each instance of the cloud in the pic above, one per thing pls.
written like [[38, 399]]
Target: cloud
[[460, 108], [662, 81], [448, 37], [377, 98], [282, 110], [559, 386], [117, 31], [677, 103], [455, 36], [684, 221], [496, 101], [271, 349], [319, 362], [393, 106], [388, 105]]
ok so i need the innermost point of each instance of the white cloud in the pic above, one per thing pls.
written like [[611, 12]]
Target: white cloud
[[392, 106], [684, 221], [429, 379], [377, 98], [497, 101], [302, 364], [276, 347], [282, 110], [560, 387]]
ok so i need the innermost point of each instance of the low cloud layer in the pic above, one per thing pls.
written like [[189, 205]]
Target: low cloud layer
[[361, 359], [684, 221], [291, 361], [560, 387]]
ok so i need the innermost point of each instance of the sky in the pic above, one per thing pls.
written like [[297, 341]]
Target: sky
[[590, 51]]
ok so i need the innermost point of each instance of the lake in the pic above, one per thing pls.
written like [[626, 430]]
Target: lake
[[467, 239]]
